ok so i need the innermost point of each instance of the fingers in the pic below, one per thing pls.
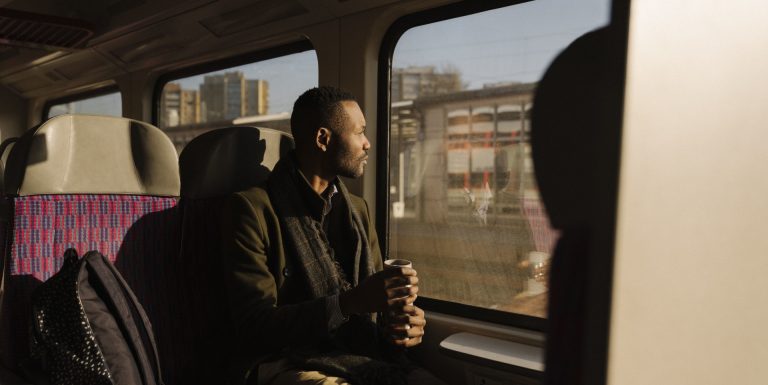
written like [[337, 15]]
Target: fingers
[[396, 305], [413, 310], [397, 271], [407, 343], [399, 281], [407, 309], [407, 333], [403, 291], [400, 321], [407, 329], [407, 337]]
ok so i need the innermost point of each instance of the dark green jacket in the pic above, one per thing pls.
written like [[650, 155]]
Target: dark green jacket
[[270, 305]]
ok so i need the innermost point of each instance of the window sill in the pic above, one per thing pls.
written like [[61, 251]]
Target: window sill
[[495, 353]]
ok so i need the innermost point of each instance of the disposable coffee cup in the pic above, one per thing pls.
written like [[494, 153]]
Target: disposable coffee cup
[[397, 263]]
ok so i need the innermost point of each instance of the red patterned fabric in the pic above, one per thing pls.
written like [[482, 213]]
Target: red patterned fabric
[[45, 226]]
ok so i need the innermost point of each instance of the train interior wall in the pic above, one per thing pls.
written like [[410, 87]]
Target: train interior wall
[[347, 50], [13, 114]]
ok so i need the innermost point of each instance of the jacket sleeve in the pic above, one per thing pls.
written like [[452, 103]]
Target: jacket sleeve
[[373, 239], [252, 287]]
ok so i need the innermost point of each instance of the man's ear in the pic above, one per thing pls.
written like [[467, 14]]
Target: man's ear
[[323, 138]]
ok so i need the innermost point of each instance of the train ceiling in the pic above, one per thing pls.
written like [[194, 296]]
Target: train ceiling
[[51, 45]]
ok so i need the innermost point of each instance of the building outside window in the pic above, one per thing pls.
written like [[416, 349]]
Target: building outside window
[[259, 93], [464, 205], [110, 104]]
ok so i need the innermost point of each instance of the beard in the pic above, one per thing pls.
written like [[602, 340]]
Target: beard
[[348, 165]]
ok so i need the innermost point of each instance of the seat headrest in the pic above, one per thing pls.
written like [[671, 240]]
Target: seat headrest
[[89, 154], [576, 126], [231, 159]]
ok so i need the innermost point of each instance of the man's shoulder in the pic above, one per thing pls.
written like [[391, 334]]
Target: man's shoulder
[[256, 196], [357, 200], [254, 192], [359, 204]]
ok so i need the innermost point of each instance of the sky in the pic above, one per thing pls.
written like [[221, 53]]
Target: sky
[[515, 43]]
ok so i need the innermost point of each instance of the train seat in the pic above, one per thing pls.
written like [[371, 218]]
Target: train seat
[[5, 211], [5, 149], [93, 183], [213, 166]]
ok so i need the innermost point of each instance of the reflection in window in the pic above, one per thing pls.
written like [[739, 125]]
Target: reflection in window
[[464, 203], [260, 94], [109, 104]]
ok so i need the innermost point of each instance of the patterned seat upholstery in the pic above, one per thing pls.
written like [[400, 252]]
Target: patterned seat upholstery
[[213, 166], [92, 183]]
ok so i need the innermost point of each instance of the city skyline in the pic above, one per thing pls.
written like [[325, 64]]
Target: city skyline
[[514, 43], [511, 44], [220, 97]]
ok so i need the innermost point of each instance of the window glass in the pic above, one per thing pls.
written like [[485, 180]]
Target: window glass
[[260, 94], [107, 104], [464, 205]]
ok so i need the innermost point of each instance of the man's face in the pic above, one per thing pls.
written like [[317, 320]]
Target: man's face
[[348, 147]]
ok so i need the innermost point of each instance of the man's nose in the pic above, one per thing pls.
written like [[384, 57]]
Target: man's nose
[[366, 143]]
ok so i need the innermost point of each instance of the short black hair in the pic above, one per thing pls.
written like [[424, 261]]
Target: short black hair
[[317, 107]]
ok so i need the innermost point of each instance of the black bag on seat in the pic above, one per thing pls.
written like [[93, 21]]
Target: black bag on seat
[[89, 328]]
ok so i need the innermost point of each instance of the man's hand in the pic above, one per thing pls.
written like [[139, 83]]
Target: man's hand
[[407, 327], [385, 290]]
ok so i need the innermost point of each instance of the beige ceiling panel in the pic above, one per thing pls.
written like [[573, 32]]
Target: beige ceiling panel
[[150, 13], [15, 59], [157, 45], [29, 83], [55, 76], [339, 8], [252, 15], [83, 65]]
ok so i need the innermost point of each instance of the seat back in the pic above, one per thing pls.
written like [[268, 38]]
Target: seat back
[[5, 211], [5, 149], [212, 167], [91, 183]]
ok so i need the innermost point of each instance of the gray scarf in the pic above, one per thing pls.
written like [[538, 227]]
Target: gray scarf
[[305, 239], [355, 352]]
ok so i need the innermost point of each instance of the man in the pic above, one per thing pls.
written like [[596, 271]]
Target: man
[[304, 269]]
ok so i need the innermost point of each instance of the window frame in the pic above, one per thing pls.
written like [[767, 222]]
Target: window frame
[[386, 51], [223, 64], [82, 96]]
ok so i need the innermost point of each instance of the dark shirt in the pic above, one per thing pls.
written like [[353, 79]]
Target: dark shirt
[[322, 207]]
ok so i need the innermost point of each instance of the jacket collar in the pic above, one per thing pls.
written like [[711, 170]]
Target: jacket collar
[[319, 204]]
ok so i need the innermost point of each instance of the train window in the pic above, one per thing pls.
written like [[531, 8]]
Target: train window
[[110, 103], [259, 93], [463, 202]]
